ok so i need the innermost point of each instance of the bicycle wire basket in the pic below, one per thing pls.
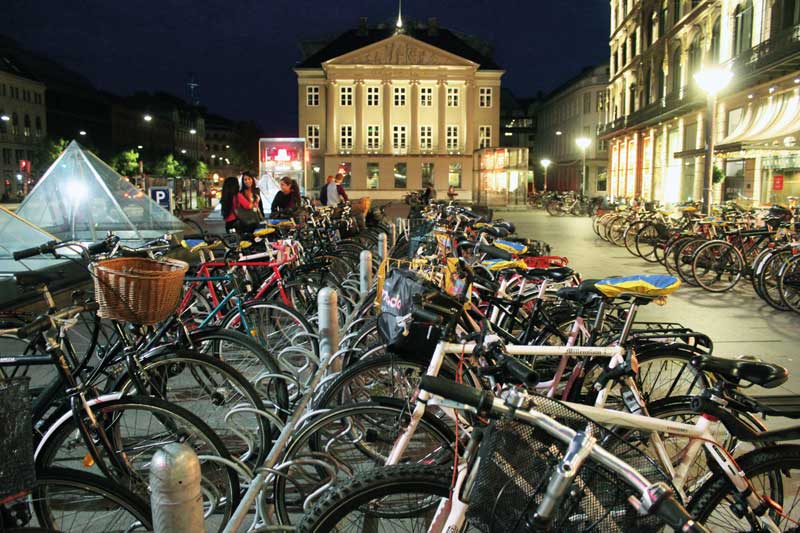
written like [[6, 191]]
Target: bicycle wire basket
[[516, 461], [17, 472], [138, 290]]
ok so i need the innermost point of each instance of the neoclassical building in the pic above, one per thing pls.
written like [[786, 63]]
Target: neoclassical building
[[654, 122], [395, 108]]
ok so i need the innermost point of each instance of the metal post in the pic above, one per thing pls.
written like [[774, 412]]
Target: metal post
[[583, 174], [365, 274], [328, 323], [175, 490], [708, 170], [545, 179], [383, 252], [393, 227], [399, 223]]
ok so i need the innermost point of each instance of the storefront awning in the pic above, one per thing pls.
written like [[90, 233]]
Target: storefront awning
[[770, 118]]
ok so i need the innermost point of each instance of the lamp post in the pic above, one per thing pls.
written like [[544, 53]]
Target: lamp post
[[545, 163], [148, 118], [583, 143], [711, 80]]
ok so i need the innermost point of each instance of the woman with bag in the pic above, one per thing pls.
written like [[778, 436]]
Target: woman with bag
[[248, 205], [287, 201], [230, 190]]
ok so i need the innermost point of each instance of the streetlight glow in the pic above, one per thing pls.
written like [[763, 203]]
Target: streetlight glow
[[5, 118], [193, 131], [545, 162], [713, 79], [583, 142], [140, 147], [183, 151], [82, 133], [148, 118], [558, 132]]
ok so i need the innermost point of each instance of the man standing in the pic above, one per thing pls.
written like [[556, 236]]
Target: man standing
[[336, 193], [323, 192]]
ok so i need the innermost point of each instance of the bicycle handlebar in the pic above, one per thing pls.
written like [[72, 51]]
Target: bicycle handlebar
[[46, 248], [477, 398]]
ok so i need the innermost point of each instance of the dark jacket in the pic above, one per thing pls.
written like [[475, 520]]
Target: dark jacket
[[323, 194], [285, 203]]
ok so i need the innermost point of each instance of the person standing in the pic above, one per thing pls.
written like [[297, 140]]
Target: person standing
[[230, 190], [323, 192], [336, 192], [287, 201]]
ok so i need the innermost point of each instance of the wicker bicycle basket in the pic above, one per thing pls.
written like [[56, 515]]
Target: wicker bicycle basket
[[518, 459], [17, 472], [138, 290]]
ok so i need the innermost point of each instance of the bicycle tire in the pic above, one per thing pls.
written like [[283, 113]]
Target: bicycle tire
[[768, 279], [684, 257], [712, 502], [357, 438], [125, 506], [377, 484], [788, 285], [629, 238], [722, 261], [218, 480]]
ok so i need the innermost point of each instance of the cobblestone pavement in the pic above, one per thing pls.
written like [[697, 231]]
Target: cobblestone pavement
[[738, 322]]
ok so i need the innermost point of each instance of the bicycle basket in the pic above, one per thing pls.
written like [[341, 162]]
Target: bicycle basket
[[17, 472], [138, 290], [516, 461]]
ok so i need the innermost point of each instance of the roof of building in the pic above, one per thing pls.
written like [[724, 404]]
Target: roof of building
[[462, 45], [584, 73]]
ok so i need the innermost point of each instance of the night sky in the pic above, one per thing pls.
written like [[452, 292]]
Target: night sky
[[243, 51]]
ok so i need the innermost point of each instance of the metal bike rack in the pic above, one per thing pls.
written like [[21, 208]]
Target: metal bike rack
[[329, 341], [175, 490], [383, 251], [393, 228]]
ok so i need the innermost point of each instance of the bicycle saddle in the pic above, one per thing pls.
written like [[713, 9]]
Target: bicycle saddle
[[583, 294], [495, 252], [556, 274], [754, 370], [641, 286]]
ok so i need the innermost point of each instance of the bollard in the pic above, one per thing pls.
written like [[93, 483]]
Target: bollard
[[394, 233], [365, 274], [400, 226], [327, 300], [175, 490], [383, 252]]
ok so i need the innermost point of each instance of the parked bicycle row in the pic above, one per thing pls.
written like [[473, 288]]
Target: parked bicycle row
[[476, 383], [559, 204], [716, 253]]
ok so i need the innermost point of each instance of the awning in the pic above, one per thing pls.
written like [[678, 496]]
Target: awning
[[774, 117]]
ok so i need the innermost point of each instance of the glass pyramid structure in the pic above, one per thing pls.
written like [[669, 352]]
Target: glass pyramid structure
[[81, 198], [17, 234]]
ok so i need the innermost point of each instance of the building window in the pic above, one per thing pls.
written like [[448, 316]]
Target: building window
[[587, 103], [373, 137], [373, 175], [399, 96], [312, 136], [484, 136], [346, 137], [312, 96], [346, 95], [742, 27], [485, 97], [27, 123], [675, 72], [454, 175], [14, 123], [427, 174], [426, 96], [633, 46], [714, 59], [426, 138], [373, 96], [346, 170], [676, 10], [694, 56], [624, 52], [399, 138], [2, 89], [400, 171], [602, 178], [6, 156], [601, 101], [452, 96], [452, 137]]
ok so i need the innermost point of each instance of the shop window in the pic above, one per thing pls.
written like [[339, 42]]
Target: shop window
[[345, 169], [602, 179], [454, 175], [373, 175], [400, 175], [427, 174]]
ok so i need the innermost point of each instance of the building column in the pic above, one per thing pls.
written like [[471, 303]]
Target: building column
[[387, 117], [442, 148], [413, 135], [359, 132], [471, 127], [330, 125]]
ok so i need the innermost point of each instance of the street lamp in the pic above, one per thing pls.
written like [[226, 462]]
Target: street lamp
[[82, 133], [711, 80], [5, 118], [148, 118], [558, 132], [183, 151], [545, 163], [193, 131], [583, 143]]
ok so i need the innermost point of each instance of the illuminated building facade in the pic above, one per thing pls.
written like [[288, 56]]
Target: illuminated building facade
[[654, 120], [396, 108]]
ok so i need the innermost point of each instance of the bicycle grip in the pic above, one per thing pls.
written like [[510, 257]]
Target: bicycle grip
[[98, 248], [426, 316], [519, 371], [479, 399], [45, 248], [677, 517], [40, 324]]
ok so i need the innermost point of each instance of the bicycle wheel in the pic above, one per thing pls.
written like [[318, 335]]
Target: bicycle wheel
[[717, 266], [395, 498], [358, 460], [767, 278], [555, 209], [647, 240], [137, 427], [683, 259], [789, 284], [665, 373], [69, 500], [202, 384], [616, 231], [773, 472], [629, 238]]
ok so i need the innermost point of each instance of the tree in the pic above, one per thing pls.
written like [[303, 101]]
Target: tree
[[200, 170], [170, 167], [48, 152], [126, 162]]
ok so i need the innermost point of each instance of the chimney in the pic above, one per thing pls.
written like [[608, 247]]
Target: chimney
[[362, 26], [433, 26]]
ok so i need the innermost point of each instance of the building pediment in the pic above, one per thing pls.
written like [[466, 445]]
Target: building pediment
[[400, 50]]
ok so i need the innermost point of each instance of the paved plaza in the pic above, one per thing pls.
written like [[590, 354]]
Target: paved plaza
[[738, 322]]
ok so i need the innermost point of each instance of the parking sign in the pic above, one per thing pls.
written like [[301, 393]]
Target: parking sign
[[162, 196]]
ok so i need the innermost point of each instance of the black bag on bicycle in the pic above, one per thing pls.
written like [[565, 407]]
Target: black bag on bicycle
[[397, 300]]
